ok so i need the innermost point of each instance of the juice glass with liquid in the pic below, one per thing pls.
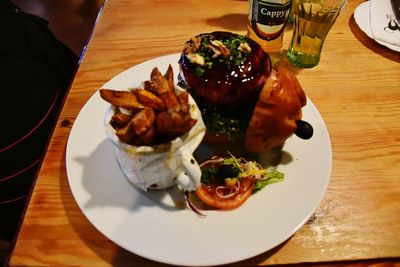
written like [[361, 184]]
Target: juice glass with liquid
[[312, 20]]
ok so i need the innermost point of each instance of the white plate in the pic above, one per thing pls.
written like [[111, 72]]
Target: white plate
[[149, 225], [361, 16]]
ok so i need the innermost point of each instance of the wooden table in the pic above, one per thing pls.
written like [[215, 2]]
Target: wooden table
[[356, 88]]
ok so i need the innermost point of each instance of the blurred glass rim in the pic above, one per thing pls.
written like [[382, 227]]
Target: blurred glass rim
[[325, 8], [331, 3]]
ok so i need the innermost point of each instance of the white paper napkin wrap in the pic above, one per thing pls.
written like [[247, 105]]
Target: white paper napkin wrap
[[381, 17], [162, 164]]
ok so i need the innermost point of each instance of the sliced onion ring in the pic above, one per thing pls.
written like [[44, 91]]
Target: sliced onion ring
[[233, 193]]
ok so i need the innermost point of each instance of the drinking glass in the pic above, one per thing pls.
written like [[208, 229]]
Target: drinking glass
[[312, 20]]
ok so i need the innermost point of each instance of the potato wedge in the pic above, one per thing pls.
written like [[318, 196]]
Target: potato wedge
[[126, 134], [159, 83], [148, 137], [165, 88], [149, 99], [169, 76], [143, 121], [119, 120], [123, 99], [183, 99], [173, 124]]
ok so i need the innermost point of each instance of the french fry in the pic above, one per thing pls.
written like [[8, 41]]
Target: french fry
[[149, 137], [149, 86], [183, 99], [127, 133], [143, 125], [149, 99], [123, 99], [119, 120], [169, 76], [143, 121], [158, 113], [164, 89], [173, 124], [159, 83]]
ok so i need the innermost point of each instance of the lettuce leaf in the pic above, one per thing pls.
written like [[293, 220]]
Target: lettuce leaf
[[270, 178]]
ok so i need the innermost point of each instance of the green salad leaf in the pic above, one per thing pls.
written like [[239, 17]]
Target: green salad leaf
[[207, 174], [270, 178]]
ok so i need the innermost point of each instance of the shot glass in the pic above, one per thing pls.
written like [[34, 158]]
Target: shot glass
[[312, 20]]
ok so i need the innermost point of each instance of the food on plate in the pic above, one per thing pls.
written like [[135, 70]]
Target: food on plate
[[227, 182], [122, 99], [224, 72], [150, 115], [239, 93], [224, 68]]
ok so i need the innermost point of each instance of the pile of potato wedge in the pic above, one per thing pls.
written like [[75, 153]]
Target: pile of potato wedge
[[151, 115]]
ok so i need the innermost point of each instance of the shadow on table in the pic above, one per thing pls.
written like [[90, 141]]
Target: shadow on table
[[105, 185], [230, 22], [371, 44]]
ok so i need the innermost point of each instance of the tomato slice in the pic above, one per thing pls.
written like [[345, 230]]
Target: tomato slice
[[208, 196]]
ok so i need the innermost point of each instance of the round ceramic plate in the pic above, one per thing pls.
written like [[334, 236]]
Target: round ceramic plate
[[157, 225], [361, 16]]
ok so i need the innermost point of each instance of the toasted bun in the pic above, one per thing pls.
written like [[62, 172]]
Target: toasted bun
[[277, 109]]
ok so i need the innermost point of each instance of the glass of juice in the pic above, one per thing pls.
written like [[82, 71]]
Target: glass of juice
[[312, 20]]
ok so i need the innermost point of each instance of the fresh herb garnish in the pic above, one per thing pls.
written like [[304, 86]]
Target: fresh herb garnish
[[235, 58], [232, 127], [199, 71], [224, 122]]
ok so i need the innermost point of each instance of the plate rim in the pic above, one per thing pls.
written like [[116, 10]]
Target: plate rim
[[205, 263], [359, 14]]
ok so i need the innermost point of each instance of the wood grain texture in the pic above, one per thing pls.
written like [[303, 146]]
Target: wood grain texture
[[356, 88]]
